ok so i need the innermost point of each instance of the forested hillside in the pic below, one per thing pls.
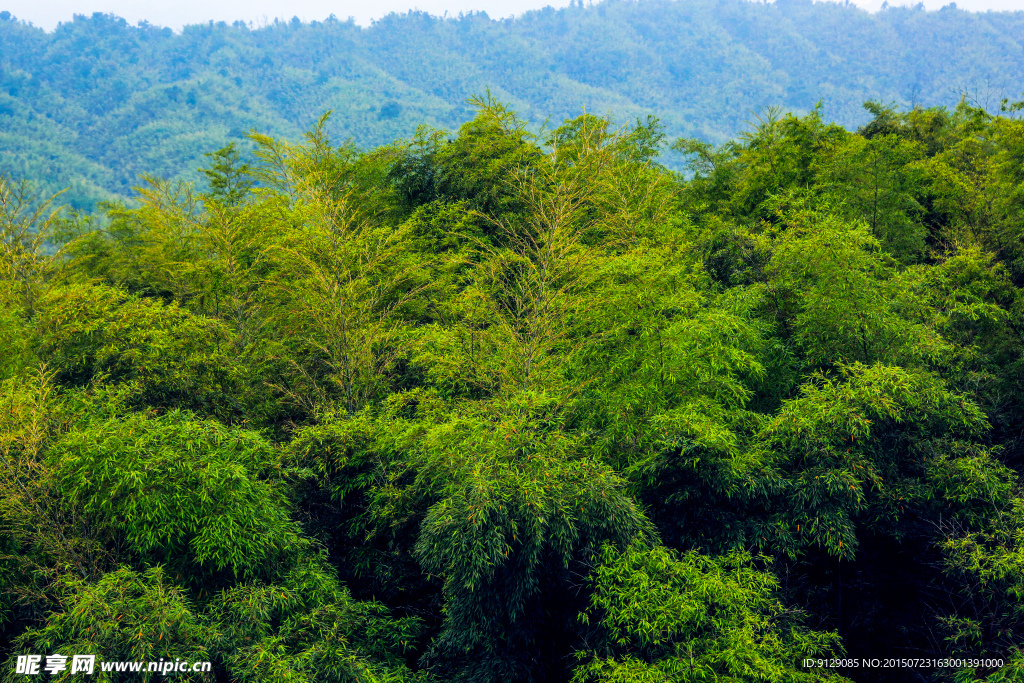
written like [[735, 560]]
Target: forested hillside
[[97, 102], [491, 407]]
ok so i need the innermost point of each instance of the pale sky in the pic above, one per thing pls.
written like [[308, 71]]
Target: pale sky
[[48, 13]]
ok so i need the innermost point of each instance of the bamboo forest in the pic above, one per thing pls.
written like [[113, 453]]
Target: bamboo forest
[[516, 401]]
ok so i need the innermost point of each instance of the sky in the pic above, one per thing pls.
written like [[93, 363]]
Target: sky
[[176, 13]]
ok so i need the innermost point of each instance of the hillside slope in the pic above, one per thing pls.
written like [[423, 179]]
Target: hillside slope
[[96, 102]]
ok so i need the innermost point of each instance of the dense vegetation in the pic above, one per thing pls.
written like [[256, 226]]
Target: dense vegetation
[[494, 407], [96, 103]]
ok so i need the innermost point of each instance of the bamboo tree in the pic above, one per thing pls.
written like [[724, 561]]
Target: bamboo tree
[[27, 225]]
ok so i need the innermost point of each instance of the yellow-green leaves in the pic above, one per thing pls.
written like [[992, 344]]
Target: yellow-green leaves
[[659, 616], [830, 282], [27, 263]]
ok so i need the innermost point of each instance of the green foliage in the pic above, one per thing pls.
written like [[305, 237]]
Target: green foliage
[[853, 448], [512, 518], [659, 616], [480, 165], [834, 288], [340, 293], [880, 185], [505, 525], [229, 178], [172, 357], [503, 405], [988, 567], [125, 616], [191, 493], [306, 627], [27, 223], [45, 538], [15, 337]]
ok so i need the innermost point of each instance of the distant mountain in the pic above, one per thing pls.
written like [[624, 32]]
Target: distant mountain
[[96, 102]]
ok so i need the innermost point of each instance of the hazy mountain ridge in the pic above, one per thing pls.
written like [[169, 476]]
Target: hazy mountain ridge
[[97, 101]]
